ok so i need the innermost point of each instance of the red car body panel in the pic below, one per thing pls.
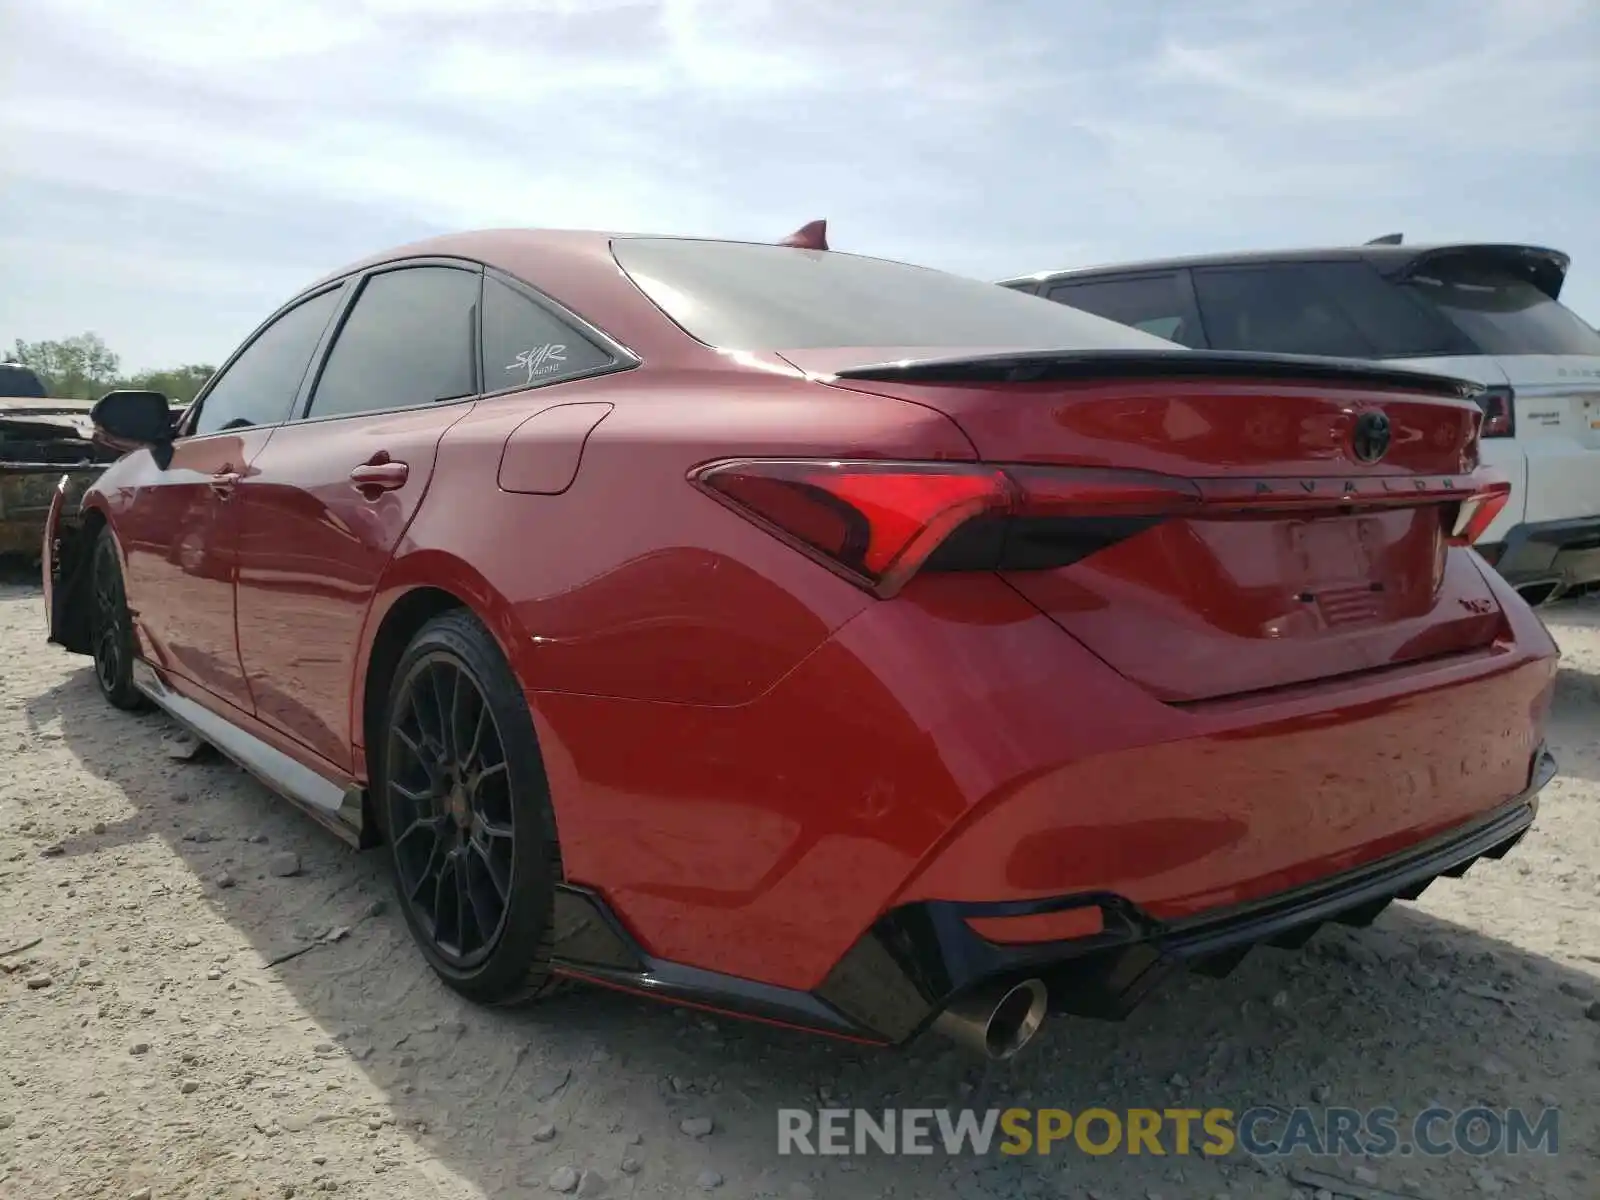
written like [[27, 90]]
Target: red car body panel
[[178, 535], [752, 760], [313, 550]]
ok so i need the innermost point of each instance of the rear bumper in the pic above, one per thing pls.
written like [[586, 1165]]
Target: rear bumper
[[1564, 553], [920, 957], [933, 751]]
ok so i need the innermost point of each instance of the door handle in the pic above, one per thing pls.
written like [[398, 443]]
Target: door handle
[[382, 477], [221, 482]]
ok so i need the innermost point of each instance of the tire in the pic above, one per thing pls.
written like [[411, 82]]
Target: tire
[[458, 770], [111, 627]]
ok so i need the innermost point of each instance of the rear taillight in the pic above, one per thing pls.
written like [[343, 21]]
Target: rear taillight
[[879, 522], [874, 522], [1499, 417], [1478, 511]]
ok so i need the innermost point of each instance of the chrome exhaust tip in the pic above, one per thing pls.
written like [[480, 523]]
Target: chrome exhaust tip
[[997, 1022]]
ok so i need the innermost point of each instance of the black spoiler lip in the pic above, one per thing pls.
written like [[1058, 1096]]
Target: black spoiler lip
[[1541, 266], [1042, 366]]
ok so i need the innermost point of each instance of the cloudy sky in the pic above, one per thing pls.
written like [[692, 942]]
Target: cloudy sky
[[173, 169]]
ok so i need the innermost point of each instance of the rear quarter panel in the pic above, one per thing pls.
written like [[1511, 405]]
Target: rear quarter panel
[[631, 589], [631, 583], [1558, 433]]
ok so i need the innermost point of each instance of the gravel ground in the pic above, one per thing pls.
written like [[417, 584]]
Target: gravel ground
[[203, 994]]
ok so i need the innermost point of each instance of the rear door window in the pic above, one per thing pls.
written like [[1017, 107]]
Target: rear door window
[[1277, 309], [409, 341], [1500, 312], [525, 345], [1158, 304]]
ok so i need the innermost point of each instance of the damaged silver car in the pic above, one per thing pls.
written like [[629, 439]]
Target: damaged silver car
[[42, 441], [47, 445]]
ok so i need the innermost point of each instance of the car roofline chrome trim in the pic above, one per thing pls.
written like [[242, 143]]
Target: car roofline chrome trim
[[337, 807]]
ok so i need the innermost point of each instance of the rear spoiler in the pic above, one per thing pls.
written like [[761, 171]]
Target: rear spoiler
[[1041, 366], [1546, 269]]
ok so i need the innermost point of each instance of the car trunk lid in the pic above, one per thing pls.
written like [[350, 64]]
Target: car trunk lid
[[1303, 563]]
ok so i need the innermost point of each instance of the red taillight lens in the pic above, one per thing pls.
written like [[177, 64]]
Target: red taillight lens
[[1478, 511], [874, 521], [878, 522], [1090, 491], [1499, 417]]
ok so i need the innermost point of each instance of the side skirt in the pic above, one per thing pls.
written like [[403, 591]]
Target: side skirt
[[338, 808]]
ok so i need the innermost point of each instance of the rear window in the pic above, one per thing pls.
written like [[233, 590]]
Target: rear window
[[1500, 312], [748, 296], [1343, 309]]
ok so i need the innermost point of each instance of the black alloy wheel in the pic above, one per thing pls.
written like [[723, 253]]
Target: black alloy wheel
[[450, 800], [111, 626], [466, 812]]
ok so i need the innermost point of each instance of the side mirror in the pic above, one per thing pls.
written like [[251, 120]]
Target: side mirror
[[131, 419]]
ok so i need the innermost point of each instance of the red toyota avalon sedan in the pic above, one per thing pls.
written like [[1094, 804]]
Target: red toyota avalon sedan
[[817, 638]]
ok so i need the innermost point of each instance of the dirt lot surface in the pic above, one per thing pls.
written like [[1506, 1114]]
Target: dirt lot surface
[[182, 1016]]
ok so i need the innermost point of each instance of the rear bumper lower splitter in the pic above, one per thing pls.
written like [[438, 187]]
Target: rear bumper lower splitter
[[918, 958]]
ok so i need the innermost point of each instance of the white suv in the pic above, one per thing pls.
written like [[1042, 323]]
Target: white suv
[[1490, 313]]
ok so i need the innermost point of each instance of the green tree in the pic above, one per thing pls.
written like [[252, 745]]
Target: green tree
[[178, 384], [74, 368], [85, 368]]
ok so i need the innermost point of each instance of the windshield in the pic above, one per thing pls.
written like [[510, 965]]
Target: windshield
[[1502, 313], [749, 296]]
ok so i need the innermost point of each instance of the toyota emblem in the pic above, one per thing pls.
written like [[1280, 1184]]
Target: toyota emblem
[[1370, 439]]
